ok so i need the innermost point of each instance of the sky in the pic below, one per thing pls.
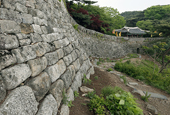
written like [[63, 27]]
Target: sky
[[130, 5]]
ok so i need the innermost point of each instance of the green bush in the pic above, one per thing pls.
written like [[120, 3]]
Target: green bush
[[110, 69], [118, 102], [90, 94], [145, 71], [107, 91]]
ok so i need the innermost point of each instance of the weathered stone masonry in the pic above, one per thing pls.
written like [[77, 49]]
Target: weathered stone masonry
[[40, 57]]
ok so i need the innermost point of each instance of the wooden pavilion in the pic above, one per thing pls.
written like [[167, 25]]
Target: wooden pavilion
[[130, 32]]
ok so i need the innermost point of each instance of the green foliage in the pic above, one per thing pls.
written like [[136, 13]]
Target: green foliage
[[145, 98], [154, 18], [96, 77], [76, 94], [109, 69], [86, 81], [108, 90], [133, 55], [76, 26], [108, 17], [90, 94], [60, 0], [124, 79], [118, 102], [70, 104], [144, 71], [98, 63], [64, 101]]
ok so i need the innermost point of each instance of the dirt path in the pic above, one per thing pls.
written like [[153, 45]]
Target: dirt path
[[112, 78]]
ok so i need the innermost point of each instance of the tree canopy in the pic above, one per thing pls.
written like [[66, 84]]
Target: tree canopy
[[101, 19], [154, 19]]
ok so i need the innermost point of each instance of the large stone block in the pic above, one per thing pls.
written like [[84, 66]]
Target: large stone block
[[24, 42], [40, 85], [39, 48], [60, 53], [44, 29], [27, 18], [21, 8], [77, 82], [10, 15], [37, 29], [65, 42], [37, 13], [7, 26], [15, 75], [56, 90], [76, 65], [41, 22], [10, 42], [52, 57], [6, 60], [51, 37], [74, 55], [48, 106], [67, 50], [70, 94], [56, 70], [24, 53], [64, 110], [35, 38], [30, 3], [49, 47], [37, 65], [2, 89], [21, 101], [26, 28], [58, 44], [68, 59], [67, 78]]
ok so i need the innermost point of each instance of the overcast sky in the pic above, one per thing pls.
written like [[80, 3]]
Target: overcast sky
[[130, 5]]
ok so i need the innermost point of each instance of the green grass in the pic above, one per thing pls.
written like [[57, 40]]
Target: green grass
[[145, 71], [133, 55]]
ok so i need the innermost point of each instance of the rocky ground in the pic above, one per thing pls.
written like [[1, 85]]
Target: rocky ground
[[158, 103]]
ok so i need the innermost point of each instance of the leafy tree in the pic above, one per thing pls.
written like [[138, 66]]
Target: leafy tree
[[160, 49], [101, 19], [146, 25]]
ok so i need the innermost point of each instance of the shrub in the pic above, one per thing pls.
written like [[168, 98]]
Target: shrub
[[118, 102], [96, 77], [147, 72], [133, 55], [145, 98], [110, 69], [107, 91], [90, 94], [76, 94]]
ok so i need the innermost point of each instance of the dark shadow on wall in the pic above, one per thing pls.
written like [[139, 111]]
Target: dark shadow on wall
[[138, 50]]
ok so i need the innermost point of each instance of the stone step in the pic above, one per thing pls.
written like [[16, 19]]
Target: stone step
[[156, 95]]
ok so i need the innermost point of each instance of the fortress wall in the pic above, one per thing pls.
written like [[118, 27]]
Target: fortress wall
[[40, 57]]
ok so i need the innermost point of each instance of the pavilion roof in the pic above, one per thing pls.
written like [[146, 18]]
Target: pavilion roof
[[131, 30]]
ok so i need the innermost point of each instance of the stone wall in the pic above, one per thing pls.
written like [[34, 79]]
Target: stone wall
[[40, 57], [101, 45]]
